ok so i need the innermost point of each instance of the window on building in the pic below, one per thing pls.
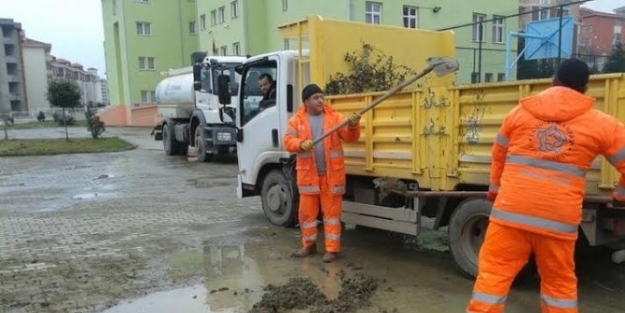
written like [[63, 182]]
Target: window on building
[[234, 8], [146, 63], [236, 48], [540, 13], [501, 77], [287, 44], [222, 15], [142, 1], [488, 77], [285, 5], [114, 7], [213, 17], [373, 12], [498, 29], [617, 34], [144, 28], [475, 77], [192, 27], [479, 32], [410, 17], [224, 50], [147, 96], [203, 21]]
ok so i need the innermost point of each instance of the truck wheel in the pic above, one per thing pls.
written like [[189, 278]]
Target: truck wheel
[[277, 199], [200, 144], [467, 228], [170, 144]]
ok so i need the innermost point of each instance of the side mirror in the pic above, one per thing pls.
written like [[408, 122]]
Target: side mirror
[[197, 77], [223, 84]]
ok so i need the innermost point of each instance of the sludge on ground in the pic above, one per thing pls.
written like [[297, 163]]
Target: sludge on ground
[[301, 293]]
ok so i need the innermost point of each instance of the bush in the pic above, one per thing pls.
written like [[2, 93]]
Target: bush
[[94, 125], [41, 117], [370, 71]]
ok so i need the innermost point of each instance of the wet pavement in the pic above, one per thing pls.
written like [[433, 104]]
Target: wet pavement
[[138, 231]]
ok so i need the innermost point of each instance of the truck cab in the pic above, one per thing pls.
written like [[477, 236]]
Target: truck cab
[[188, 102]]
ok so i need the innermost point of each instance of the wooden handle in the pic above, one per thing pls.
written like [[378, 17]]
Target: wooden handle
[[377, 101]]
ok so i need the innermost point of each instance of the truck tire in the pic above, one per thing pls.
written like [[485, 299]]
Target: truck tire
[[279, 204], [170, 144], [467, 228], [200, 144]]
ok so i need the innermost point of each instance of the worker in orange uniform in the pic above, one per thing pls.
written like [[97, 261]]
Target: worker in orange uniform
[[320, 170], [537, 182]]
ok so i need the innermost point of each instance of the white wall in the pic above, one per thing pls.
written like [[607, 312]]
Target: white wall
[[36, 76]]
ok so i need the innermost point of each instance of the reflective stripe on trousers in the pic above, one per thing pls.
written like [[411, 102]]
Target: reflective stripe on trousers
[[559, 303]]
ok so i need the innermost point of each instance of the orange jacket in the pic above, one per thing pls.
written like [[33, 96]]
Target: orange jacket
[[541, 156], [299, 130]]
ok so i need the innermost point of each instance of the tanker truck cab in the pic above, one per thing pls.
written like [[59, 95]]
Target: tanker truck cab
[[188, 102], [261, 125]]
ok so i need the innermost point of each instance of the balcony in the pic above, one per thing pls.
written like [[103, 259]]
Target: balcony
[[13, 78], [14, 97], [10, 59]]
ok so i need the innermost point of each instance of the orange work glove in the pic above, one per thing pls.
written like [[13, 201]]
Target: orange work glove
[[306, 145]]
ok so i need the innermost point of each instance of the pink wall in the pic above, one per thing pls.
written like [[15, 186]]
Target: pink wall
[[122, 115]]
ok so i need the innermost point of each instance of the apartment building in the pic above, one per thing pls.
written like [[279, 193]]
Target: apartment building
[[87, 80], [231, 27], [600, 31], [142, 39], [36, 70], [103, 92], [12, 84]]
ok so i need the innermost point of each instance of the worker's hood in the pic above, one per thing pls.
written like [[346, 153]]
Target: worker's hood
[[558, 104]]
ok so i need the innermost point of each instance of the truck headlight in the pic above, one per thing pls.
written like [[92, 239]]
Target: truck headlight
[[224, 136]]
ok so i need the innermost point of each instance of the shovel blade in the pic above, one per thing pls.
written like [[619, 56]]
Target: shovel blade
[[443, 65]]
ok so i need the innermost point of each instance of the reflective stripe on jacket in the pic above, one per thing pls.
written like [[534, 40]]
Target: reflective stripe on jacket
[[541, 156], [299, 130]]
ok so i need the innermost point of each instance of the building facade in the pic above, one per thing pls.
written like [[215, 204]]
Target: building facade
[[142, 39], [231, 27], [36, 60], [12, 84], [599, 33], [87, 80], [537, 10]]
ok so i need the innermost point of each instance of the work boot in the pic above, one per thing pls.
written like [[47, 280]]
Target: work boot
[[330, 257], [306, 251]]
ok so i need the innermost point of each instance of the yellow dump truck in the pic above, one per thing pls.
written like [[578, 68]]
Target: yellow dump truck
[[434, 137]]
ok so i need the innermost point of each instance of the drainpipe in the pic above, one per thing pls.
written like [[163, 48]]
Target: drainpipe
[[350, 10]]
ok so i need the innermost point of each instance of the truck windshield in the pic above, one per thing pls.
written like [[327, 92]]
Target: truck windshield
[[235, 78]]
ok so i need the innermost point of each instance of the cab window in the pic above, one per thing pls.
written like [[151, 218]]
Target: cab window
[[252, 97]]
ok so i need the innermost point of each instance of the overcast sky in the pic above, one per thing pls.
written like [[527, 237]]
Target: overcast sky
[[74, 27]]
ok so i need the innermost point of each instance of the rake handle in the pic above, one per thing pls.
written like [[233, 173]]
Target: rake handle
[[377, 101]]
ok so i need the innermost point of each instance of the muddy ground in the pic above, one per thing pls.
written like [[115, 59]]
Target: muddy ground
[[132, 231]]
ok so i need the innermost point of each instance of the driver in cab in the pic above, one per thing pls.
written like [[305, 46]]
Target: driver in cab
[[267, 87]]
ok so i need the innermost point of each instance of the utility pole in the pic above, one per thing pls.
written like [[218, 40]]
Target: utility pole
[[561, 9], [481, 37]]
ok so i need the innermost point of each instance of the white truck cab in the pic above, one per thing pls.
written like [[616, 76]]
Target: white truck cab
[[187, 101]]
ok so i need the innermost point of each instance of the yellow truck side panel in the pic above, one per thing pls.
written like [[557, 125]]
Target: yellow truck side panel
[[435, 133], [446, 144]]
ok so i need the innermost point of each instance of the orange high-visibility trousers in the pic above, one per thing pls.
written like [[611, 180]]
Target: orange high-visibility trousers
[[331, 208], [504, 253]]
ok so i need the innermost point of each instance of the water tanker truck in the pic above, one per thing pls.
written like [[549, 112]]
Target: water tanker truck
[[188, 105]]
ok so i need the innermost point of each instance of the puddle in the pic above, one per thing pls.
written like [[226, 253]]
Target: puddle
[[255, 279], [188, 300], [88, 196]]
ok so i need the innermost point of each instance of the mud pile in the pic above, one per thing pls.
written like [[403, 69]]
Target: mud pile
[[301, 293]]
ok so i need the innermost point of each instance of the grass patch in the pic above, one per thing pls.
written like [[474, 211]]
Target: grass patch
[[45, 124], [24, 147]]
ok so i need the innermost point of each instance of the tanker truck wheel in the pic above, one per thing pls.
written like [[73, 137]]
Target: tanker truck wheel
[[200, 144], [170, 145], [279, 204]]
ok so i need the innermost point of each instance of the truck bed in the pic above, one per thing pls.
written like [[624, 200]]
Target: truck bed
[[442, 137]]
